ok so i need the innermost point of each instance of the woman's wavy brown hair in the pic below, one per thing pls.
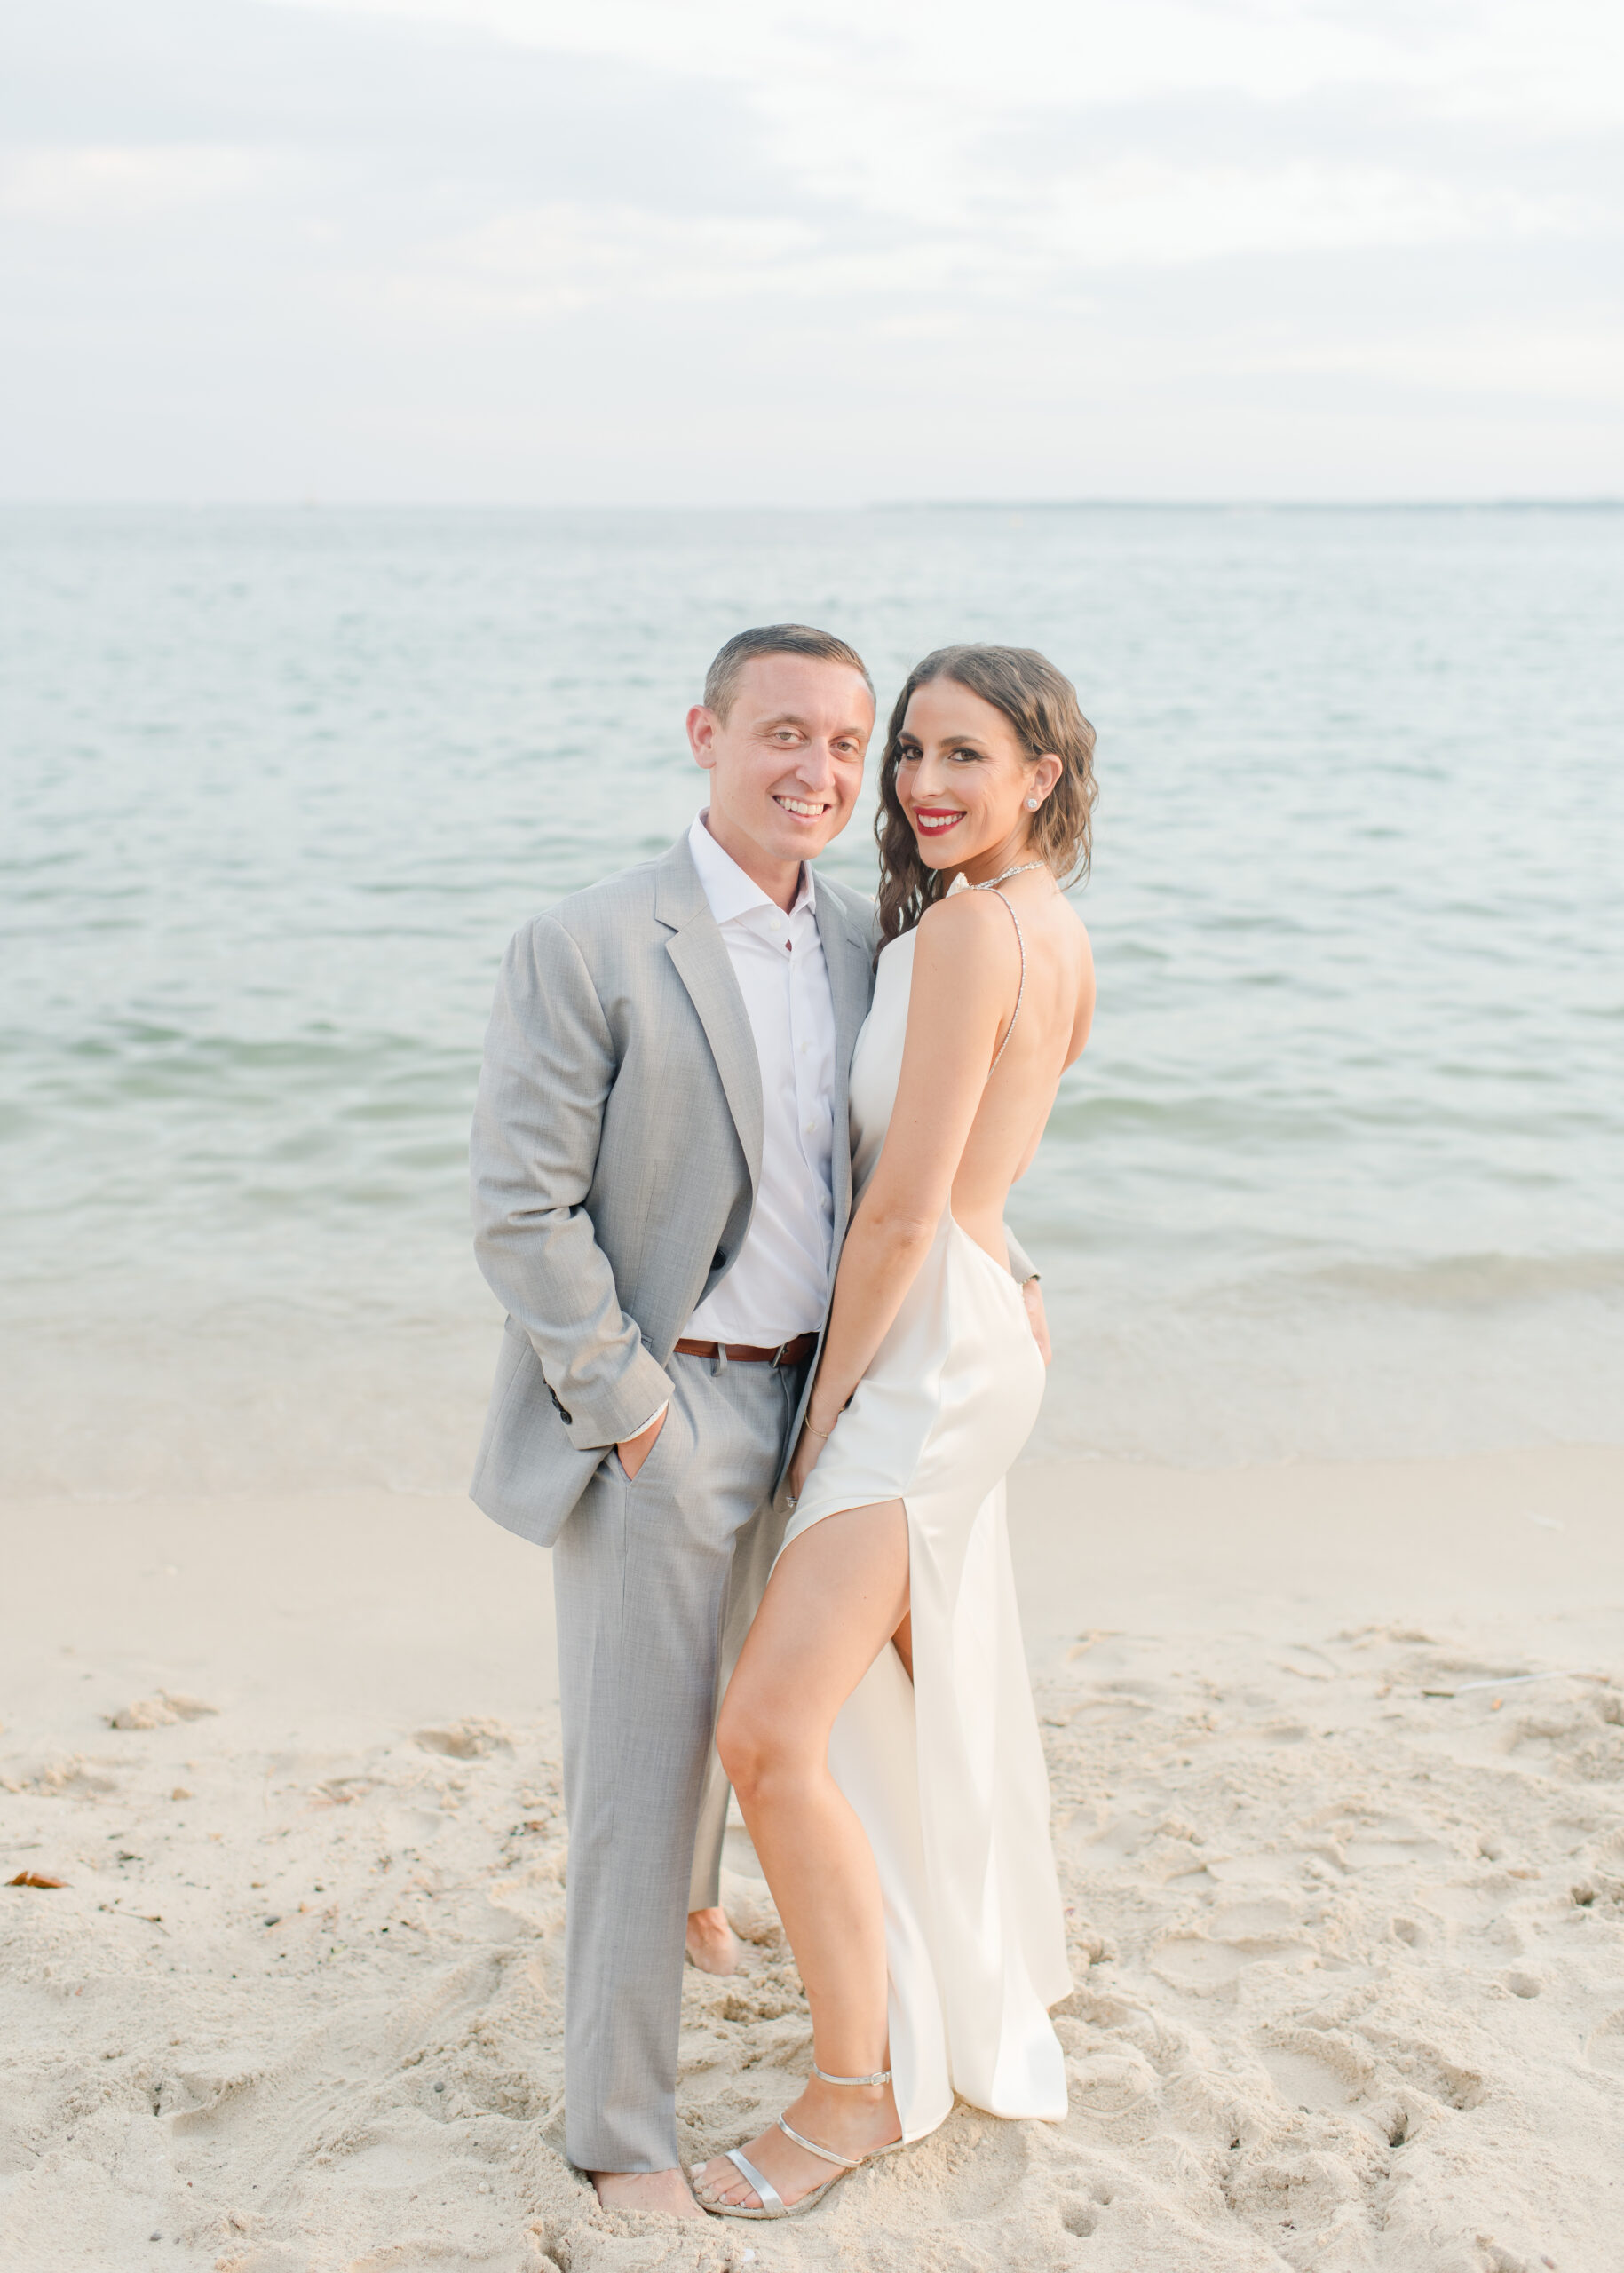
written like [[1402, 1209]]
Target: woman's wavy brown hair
[[1041, 703]]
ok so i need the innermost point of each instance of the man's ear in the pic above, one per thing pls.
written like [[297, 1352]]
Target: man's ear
[[702, 726]]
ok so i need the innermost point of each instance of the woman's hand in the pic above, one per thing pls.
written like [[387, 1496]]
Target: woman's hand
[[807, 1448], [1032, 1295]]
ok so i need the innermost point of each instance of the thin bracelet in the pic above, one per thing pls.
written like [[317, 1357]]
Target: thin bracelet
[[825, 1433]]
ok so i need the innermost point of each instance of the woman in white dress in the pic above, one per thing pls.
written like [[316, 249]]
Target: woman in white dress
[[879, 1730]]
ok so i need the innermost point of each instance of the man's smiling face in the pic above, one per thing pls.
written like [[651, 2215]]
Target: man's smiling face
[[786, 763]]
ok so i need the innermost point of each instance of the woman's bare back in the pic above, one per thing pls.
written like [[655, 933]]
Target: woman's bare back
[[1045, 1027]]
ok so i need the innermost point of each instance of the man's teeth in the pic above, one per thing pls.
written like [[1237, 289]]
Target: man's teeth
[[799, 806]]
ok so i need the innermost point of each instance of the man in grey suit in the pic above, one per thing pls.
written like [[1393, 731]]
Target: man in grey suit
[[662, 1181]]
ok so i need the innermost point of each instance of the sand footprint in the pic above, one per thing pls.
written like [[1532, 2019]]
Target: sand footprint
[[1205, 1967], [1315, 2074], [1081, 2218], [1109, 2082]]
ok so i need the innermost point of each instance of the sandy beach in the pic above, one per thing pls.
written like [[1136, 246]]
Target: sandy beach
[[1346, 1891]]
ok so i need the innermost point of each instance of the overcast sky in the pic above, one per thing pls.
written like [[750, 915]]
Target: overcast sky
[[677, 251]]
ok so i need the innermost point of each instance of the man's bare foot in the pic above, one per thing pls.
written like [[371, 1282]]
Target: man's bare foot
[[712, 1945], [854, 2122], [661, 2192]]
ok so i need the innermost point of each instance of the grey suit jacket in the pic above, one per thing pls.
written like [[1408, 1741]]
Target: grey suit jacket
[[615, 1155]]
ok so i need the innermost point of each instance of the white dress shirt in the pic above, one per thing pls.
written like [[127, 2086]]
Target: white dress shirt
[[779, 1286]]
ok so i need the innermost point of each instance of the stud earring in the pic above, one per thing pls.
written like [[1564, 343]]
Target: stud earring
[[1032, 805]]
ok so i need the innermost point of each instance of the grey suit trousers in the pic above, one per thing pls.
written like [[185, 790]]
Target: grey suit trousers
[[655, 1581]]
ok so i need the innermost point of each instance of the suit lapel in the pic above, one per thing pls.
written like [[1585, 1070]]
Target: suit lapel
[[847, 959], [700, 953]]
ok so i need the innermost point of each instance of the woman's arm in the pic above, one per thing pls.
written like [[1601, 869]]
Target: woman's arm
[[966, 969]]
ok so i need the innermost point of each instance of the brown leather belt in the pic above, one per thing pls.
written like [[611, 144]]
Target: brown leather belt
[[739, 1353]]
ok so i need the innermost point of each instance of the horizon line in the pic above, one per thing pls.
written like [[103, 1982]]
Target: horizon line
[[1015, 505]]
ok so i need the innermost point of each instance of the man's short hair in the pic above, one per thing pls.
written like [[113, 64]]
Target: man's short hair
[[722, 679]]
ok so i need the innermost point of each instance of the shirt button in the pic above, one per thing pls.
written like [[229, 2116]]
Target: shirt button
[[811, 1127]]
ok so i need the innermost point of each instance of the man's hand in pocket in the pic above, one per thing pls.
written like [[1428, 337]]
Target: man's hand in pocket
[[637, 1449]]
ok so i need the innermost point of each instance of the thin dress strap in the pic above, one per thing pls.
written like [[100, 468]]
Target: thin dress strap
[[1020, 990]]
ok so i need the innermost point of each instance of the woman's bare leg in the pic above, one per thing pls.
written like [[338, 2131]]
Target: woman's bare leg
[[837, 1596]]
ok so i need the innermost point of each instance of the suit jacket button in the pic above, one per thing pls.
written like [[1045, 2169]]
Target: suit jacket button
[[717, 1260]]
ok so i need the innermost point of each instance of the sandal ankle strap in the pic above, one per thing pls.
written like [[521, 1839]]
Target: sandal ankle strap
[[882, 2076]]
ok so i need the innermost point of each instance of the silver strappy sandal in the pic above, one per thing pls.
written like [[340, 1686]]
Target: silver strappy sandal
[[772, 2205]]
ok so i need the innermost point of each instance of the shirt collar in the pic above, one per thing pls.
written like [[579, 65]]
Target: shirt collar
[[729, 890]]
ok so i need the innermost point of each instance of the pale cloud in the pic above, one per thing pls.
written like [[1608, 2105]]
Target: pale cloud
[[557, 259], [129, 187], [1537, 61], [565, 258], [520, 247], [1145, 211], [1581, 368]]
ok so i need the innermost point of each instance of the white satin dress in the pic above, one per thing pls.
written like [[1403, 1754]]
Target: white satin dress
[[947, 1772]]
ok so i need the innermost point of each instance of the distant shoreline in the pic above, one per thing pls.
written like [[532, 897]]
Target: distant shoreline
[[508, 510]]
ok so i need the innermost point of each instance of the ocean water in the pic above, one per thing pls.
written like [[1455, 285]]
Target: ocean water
[[1341, 1173]]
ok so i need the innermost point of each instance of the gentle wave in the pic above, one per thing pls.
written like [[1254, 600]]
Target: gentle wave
[[1479, 1282]]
